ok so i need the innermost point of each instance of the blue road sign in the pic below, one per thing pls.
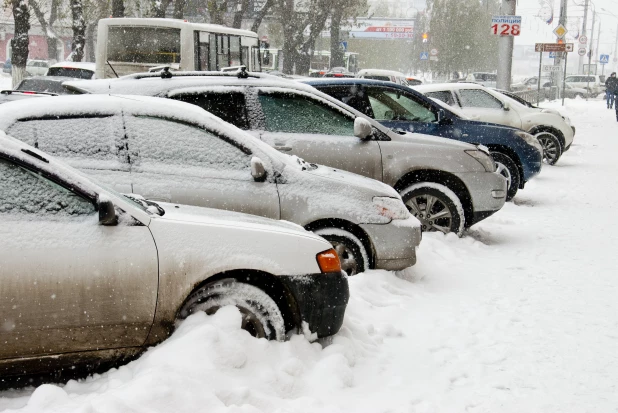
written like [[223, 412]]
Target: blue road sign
[[604, 59], [343, 46], [552, 55], [424, 56]]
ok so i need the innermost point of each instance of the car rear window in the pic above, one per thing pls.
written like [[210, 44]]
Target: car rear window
[[70, 72], [229, 106], [43, 85], [375, 77]]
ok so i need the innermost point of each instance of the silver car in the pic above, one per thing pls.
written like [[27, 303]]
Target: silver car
[[175, 152], [90, 276], [447, 185]]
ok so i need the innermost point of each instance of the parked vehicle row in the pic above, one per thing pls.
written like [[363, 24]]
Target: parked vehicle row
[[204, 189]]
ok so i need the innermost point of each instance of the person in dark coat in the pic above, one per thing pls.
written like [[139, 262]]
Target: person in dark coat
[[611, 89]]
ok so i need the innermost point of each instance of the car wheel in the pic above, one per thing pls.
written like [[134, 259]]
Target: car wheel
[[351, 251], [436, 206], [261, 316], [552, 150], [507, 168]]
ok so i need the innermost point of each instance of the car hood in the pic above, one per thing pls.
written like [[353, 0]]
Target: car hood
[[349, 179], [221, 218], [432, 141]]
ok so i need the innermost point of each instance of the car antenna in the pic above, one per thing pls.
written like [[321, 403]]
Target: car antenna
[[242, 72], [165, 73], [112, 67]]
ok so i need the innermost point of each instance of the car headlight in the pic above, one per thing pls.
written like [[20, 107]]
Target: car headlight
[[530, 140], [392, 208], [484, 159]]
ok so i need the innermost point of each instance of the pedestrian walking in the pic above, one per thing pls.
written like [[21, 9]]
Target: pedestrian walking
[[611, 89]]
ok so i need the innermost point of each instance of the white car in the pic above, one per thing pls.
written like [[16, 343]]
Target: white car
[[37, 67], [78, 70], [553, 130], [482, 78], [384, 75], [593, 83], [90, 275]]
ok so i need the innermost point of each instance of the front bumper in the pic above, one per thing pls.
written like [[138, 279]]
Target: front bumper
[[487, 191], [395, 243], [321, 300]]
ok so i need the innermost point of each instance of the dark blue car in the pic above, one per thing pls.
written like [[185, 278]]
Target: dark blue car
[[518, 155]]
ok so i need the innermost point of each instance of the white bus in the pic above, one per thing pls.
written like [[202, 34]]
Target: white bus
[[132, 45]]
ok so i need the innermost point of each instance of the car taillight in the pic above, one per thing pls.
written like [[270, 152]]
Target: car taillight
[[329, 261]]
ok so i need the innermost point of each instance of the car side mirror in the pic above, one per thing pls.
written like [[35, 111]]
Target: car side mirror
[[441, 115], [258, 172], [362, 128], [107, 212], [506, 106]]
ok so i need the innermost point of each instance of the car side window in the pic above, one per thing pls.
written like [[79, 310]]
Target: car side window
[[170, 146], [476, 98], [352, 96], [23, 192], [443, 95], [299, 114], [388, 104], [92, 138], [229, 106]]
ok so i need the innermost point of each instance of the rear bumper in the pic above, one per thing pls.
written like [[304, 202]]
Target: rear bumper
[[321, 300], [394, 244], [487, 192]]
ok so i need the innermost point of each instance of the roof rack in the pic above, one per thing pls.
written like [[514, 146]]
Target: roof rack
[[26, 92], [166, 73]]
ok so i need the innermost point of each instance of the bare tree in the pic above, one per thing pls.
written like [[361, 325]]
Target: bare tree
[[261, 14], [242, 9], [117, 8], [79, 30], [47, 24], [19, 43], [179, 9], [342, 11], [158, 7]]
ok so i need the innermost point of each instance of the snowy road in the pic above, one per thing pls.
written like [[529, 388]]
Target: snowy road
[[521, 315]]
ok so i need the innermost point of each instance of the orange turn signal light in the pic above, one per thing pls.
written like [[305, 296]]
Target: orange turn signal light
[[329, 261]]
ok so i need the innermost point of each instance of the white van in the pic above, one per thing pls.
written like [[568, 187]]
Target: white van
[[592, 83], [384, 75]]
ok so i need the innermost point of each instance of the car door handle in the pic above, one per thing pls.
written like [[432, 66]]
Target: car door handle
[[283, 148]]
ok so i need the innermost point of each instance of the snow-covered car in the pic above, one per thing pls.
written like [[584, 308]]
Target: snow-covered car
[[37, 67], [482, 78], [554, 132], [91, 276], [592, 83], [172, 151], [447, 185], [79, 70], [45, 84], [384, 75]]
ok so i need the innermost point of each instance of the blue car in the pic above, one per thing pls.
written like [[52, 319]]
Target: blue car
[[518, 155]]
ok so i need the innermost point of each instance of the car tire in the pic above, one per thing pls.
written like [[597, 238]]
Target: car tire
[[261, 316], [441, 201], [351, 251], [506, 167], [552, 149]]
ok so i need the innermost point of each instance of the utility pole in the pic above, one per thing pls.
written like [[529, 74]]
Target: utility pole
[[558, 60], [581, 58], [505, 49], [590, 53], [615, 56]]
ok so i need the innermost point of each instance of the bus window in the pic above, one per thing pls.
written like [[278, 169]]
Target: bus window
[[152, 45], [234, 59], [256, 61], [245, 56], [201, 51]]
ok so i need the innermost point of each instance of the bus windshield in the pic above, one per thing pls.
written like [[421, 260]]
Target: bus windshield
[[151, 45]]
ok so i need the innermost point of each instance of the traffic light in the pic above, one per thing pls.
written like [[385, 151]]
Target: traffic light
[[425, 37], [560, 41]]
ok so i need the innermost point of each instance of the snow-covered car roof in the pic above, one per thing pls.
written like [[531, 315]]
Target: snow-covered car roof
[[380, 72], [76, 65], [107, 105], [436, 87]]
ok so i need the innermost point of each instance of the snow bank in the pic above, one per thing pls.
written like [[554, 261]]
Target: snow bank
[[517, 316]]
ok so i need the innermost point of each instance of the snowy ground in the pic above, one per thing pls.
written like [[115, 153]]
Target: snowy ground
[[521, 315]]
